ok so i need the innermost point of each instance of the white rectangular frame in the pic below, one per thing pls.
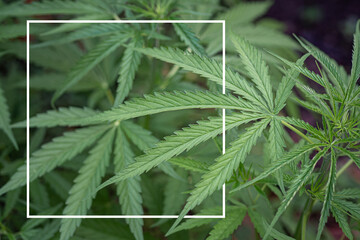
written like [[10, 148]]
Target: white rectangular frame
[[28, 22]]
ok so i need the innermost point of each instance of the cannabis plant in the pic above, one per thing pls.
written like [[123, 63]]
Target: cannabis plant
[[112, 90]]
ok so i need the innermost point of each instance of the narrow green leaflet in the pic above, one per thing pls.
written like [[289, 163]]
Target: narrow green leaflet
[[329, 192], [351, 208], [190, 164], [10, 201], [169, 101], [256, 68], [90, 60], [129, 190], [341, 219], [352, 193], [286, 85], [223, 168], [355, 70], [129, 65], [327, 62], [62, 117], [276, 147], [54, 154], [306, 72], [189, 37], [350, 154], [207, 68], [5, 119], [295, 186], [90, 174], [179, 142], [229, 224]]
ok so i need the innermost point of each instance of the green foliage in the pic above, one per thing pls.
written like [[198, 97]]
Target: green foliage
[[256, 68], [128, 67], [90, 174], [54, 154], [129, 191], [125, 90], [5, 119], [229, 224], [89, 61]]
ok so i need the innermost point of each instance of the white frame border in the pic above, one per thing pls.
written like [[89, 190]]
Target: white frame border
[[28, 116]]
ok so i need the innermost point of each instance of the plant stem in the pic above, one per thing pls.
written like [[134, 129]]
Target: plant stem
[[299, 133], [305, 219], [343, 168], [109, 96]]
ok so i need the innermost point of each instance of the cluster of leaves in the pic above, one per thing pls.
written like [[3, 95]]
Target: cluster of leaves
[[119, 140]]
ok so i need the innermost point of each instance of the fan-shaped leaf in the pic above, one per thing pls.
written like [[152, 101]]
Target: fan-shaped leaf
[[181, 141]]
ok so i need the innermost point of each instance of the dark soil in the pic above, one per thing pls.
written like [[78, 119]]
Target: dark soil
[[328, 24]]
